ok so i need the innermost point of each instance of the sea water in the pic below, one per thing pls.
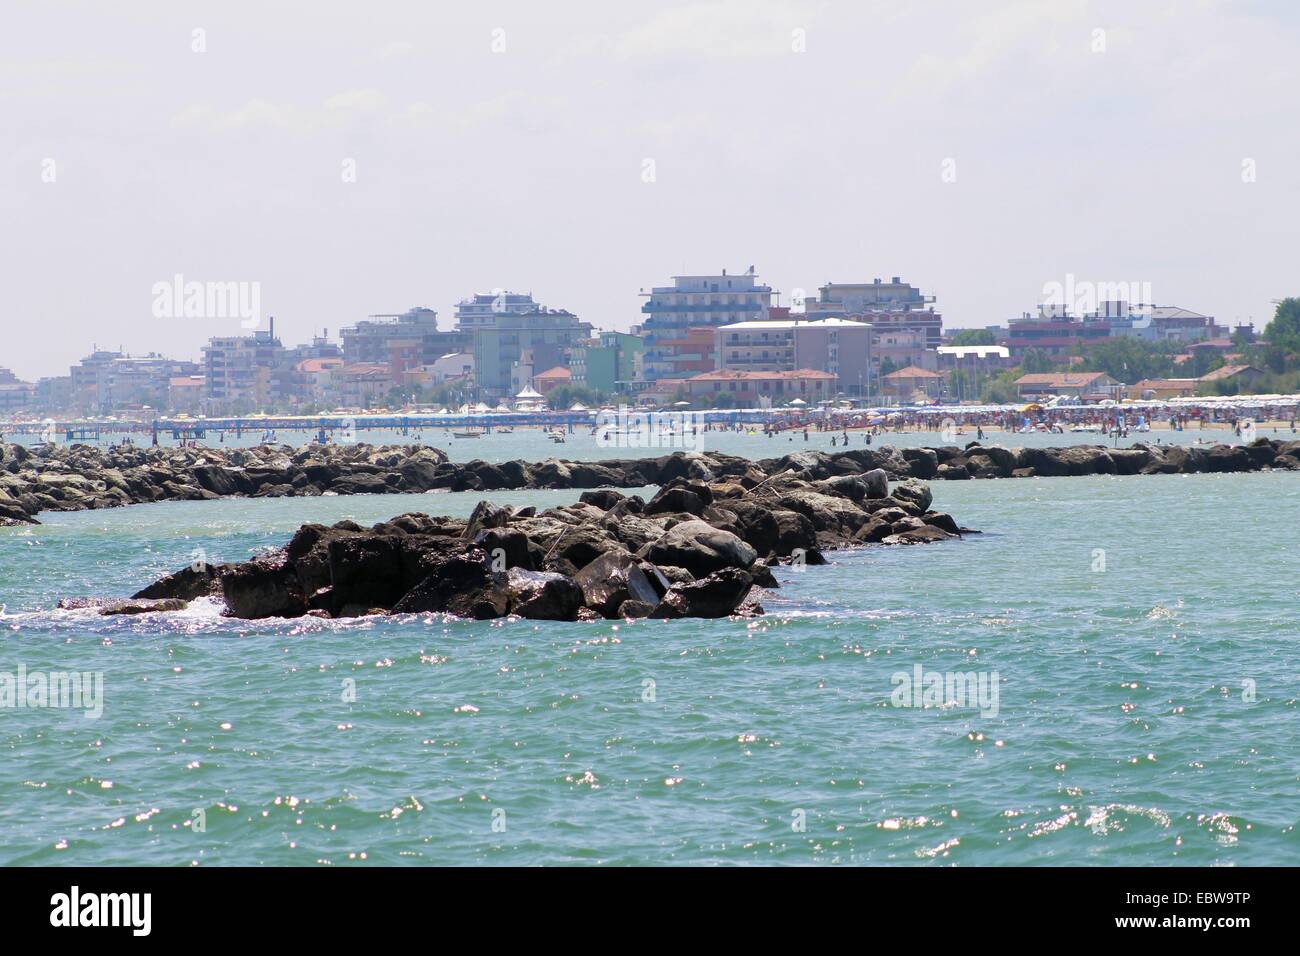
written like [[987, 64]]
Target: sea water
[[1141, 632]]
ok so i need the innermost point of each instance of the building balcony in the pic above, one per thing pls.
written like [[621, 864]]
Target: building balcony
[[651, 307]]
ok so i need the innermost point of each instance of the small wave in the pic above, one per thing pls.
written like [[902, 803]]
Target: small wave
[[1114, 817]]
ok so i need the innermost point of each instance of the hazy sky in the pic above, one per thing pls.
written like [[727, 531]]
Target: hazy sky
[[504, 144]]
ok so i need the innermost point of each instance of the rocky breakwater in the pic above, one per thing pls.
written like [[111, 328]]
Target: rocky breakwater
[[976, 460], [80, 477], [696, 549]]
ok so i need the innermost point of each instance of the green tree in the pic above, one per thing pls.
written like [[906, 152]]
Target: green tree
[[563, 396], [974, 337], [1284, 330], [1034, 361], [1127, 359], [1001, 389]]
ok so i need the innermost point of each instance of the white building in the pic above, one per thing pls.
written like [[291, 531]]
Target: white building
[[699, 301]]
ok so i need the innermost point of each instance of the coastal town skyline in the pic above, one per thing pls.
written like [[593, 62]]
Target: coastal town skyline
[[704, 339], [235, 297], [986, 153]]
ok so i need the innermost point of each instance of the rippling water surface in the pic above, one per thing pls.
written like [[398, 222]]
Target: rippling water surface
[[1146, 713]]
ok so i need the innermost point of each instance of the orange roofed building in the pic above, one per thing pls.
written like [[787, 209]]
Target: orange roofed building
[[552, 378], [912, 383], [749, 388]]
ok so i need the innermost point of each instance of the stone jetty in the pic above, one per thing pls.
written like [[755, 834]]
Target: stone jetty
[[697, 549], [80, 477]]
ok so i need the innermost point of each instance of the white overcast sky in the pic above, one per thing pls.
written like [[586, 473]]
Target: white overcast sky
[[523, 169]]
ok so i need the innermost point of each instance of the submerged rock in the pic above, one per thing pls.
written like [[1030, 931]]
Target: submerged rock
[[112, 606]]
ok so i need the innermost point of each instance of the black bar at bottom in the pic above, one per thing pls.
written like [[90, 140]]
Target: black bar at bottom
[[333, 905]]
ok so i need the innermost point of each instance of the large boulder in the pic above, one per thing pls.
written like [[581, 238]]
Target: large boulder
[[922, 463], [193, 581], [852, 487], [459, 583], [915, 492], [507, 548], [367, 570], [718, 594], [827, 513], [681, 496], [1130, 461], [1228, 458], [267, 586], [485, 515], [577, 546], [613, 578], [602, 498], [221, 480], [1068, 461], [543, 595], [700, 548]]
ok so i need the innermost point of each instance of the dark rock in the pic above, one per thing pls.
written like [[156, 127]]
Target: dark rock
[[111, 606], [143, 606], [681, 496], [717, 595], [602, 498], [485, 515], [367, 570], [461, 584], [264, 587], [634, 609], [914, 491], [613, 578], [577, 547], [700, 548], [925, 534], [543, 595], [1070, 460], [197, 580], [506, 548], [1222, 458], [762, 576], [222, 481], [874, 531], [941, 520], [923, 463]]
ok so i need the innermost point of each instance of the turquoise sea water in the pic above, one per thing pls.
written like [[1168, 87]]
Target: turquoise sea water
[[1126, 729]]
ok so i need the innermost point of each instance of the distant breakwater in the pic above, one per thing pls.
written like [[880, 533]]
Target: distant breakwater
[[80, 477]]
